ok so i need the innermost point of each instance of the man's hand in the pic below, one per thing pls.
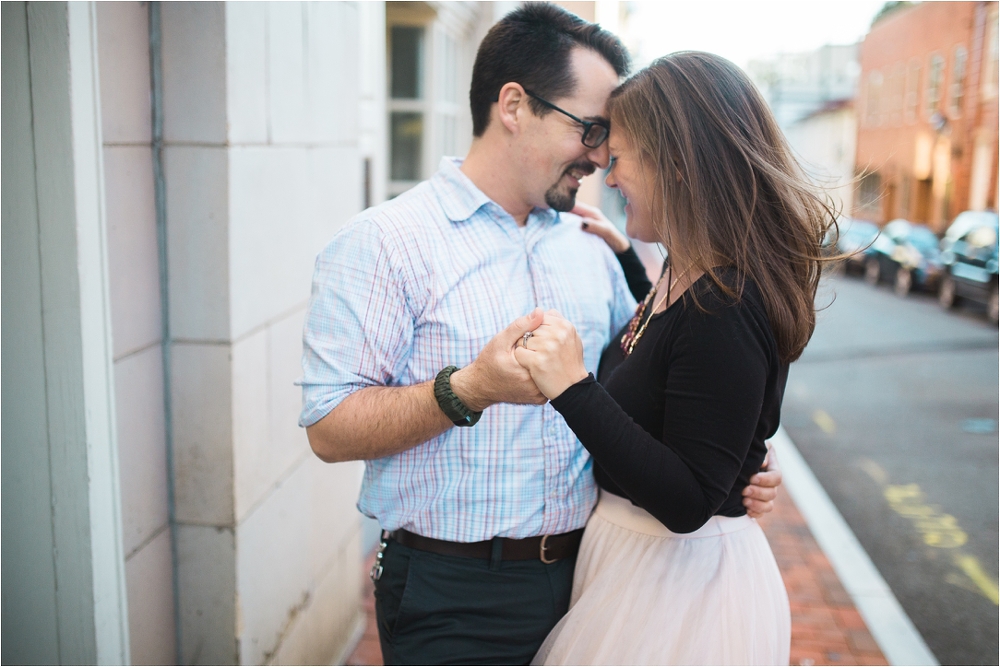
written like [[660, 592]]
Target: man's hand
[[495, 376], [759, 497], [596, 223]]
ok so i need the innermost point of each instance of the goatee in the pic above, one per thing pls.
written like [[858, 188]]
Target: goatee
[[565, 201], [560, 201]]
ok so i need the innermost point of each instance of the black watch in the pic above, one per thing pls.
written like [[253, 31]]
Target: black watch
[[450, 404]]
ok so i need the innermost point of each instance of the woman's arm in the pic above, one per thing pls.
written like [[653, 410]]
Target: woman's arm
[[596, 223], [635, 273], [718, 369]]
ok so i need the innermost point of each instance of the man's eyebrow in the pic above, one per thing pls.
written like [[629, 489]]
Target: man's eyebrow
[[598, 119]]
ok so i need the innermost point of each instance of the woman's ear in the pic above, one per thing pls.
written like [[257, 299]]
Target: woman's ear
[[509, 104]]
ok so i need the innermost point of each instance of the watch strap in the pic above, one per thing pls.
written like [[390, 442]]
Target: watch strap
[[450, 404]]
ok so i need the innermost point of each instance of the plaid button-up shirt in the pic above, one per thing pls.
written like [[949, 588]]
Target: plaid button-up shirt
[[425, 281]]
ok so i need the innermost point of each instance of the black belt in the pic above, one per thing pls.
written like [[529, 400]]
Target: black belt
[[546, 548]]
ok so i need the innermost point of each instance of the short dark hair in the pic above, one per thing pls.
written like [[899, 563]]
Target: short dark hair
[[531, 46]]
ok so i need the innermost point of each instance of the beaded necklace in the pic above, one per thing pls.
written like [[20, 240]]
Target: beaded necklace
[[631, 337]]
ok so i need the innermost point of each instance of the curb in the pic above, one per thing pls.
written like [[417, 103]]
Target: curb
[[889, 625]]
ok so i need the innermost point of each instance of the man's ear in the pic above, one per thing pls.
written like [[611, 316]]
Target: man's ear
[[511, 102]]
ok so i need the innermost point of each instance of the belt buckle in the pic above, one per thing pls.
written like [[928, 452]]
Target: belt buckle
[[541, 551]]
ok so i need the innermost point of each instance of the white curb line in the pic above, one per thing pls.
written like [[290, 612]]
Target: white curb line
[[890, 626]]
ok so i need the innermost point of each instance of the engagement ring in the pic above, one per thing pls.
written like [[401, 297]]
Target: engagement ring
[[524, 339]]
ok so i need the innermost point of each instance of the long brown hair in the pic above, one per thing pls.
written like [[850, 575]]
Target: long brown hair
[[730, 193]]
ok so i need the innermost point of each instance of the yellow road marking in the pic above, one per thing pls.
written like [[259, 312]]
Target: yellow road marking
[[874, 470], [973, 570], [938, 530], [825, 422]]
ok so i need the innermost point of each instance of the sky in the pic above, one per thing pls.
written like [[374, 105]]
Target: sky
[[742, 30]]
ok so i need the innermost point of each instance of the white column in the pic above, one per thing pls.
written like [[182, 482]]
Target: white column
[[63, 577]]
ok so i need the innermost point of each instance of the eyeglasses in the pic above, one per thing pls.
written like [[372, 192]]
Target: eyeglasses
[[595, 132]]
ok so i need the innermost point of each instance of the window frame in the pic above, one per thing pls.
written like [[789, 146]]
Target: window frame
[[956, 88], [935, 83]]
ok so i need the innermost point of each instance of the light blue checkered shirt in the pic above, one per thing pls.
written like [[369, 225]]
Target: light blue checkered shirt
[[424, 281]]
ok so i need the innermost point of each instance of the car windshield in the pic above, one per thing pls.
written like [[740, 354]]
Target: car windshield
[[969, 219]]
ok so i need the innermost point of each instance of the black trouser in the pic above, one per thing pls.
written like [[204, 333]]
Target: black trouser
[[441, 610]]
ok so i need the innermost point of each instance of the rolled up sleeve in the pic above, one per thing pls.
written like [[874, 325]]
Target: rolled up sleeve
[[359, 328]]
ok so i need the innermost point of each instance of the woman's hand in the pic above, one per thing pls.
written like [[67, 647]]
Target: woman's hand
[[553, 354], [759, 497], [596, 223]]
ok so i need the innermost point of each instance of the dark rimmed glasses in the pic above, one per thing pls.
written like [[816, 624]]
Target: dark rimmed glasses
[[595, 132]]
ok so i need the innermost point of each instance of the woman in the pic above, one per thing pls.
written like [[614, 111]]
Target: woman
[[671, 570]]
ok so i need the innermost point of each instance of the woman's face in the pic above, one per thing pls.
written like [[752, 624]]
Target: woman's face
[[637, 183]]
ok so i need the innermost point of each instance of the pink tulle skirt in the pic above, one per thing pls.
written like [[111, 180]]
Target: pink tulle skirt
[[643, 595]]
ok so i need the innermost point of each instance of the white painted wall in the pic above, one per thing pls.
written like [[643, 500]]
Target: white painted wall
[[123, 54], [264, 149]]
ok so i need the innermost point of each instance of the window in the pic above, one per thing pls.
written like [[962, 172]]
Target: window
[[406, 108], [423, 60], [912, 91], [406, 130], [935, 74], [957, 88], [407, 62]]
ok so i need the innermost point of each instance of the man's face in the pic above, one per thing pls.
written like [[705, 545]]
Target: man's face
[[554, 158]]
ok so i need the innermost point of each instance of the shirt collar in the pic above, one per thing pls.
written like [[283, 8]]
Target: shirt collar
[[460, 197]]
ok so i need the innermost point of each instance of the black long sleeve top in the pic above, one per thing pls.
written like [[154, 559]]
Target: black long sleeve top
[[635, 273], [679, 425]]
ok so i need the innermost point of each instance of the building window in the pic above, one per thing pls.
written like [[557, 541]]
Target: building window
[[406, 129], [423, 60], [912, 92], [957, 88], [935, 76], [406, 106]]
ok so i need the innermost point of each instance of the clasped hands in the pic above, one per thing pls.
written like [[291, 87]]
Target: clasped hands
[[552, 353], [510, 371]]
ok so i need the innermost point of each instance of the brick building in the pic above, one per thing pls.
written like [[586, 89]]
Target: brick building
[[927, 114]]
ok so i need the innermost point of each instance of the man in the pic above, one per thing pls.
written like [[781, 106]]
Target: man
[[482, 522]]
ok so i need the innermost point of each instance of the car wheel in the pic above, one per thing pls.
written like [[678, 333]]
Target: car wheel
[[873, 272], [946, 292], [993, 305], [904, 281]]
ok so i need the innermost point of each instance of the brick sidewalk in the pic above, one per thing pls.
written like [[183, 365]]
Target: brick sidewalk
[[826, 628]]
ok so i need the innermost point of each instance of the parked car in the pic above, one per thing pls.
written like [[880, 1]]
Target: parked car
[[963, 223], [970, 266], [854, 239], [907, 254]]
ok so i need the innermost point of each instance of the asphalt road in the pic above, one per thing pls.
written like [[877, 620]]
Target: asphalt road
[[894, 406]]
